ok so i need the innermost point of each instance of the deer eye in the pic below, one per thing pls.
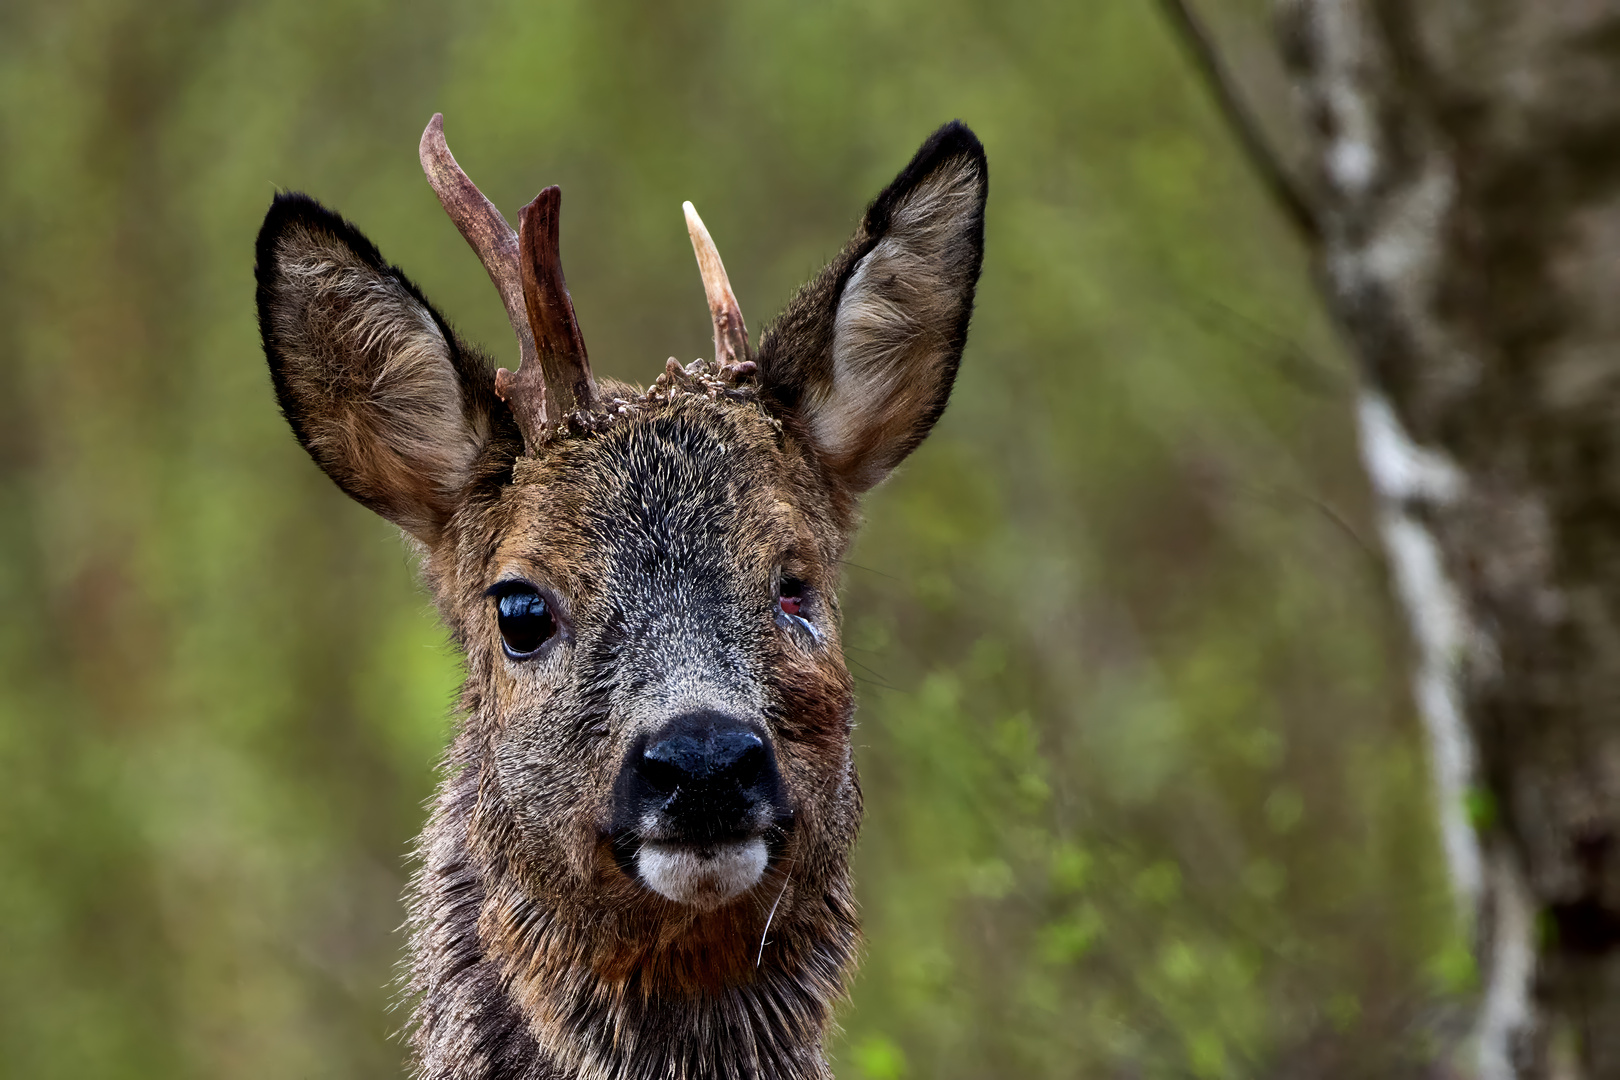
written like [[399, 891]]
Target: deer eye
[[525, 619], [792, 603], [790, 595]]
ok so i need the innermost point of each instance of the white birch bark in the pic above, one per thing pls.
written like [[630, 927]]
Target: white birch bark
[[1465, 190]]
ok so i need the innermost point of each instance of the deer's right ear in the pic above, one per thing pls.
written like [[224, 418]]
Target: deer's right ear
[[370, 377], [864, 357]]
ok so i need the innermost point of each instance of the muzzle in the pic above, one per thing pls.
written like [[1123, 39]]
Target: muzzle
[[696, 807]]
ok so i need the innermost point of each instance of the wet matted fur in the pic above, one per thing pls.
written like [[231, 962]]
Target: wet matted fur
[[660, 536]]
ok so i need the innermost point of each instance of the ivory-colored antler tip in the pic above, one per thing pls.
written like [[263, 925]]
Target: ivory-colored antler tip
[[694, 224], [730, 339]]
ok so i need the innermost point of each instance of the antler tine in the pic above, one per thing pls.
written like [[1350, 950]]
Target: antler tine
[[564, 368], [482, 226], [732, 354]]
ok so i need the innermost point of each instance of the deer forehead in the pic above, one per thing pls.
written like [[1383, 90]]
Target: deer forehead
[[694, 494]]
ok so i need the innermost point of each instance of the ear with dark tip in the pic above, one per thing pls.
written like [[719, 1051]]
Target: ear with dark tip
[[864, 357], [370, 377]]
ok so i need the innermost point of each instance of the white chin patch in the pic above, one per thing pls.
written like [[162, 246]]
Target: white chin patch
[[703, 878]]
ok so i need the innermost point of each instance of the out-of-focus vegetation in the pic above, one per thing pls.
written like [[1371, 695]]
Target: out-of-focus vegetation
[[1144, 795]]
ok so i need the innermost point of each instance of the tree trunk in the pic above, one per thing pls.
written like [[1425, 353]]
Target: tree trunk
[[1465, 193]]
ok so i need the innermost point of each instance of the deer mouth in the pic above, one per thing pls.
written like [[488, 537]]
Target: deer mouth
[[702, 877]]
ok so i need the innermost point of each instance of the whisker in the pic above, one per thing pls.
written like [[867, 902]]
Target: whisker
[[868, 569], [876, 676], [761, 957]]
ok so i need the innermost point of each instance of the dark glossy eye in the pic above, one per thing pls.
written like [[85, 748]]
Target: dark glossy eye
[[790, 595], [525, 619]]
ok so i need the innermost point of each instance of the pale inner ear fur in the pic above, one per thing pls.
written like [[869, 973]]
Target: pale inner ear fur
[[379, 399], [895, 330]]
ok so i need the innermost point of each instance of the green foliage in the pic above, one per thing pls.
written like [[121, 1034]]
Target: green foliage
[[1144, 795]]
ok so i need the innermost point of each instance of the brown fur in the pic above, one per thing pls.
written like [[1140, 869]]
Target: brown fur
[[658, 529]]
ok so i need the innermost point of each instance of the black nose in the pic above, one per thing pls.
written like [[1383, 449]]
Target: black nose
[[706, 758], [701, 778]]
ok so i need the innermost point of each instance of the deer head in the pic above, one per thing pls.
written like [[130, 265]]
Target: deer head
[[637, 864]]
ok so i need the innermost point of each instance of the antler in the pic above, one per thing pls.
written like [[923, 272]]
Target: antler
[[483, 227], [563, 363], [527, 272], [732, 354]]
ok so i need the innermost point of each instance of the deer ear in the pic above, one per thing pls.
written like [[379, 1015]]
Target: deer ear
[[370, 377], [865, 355]]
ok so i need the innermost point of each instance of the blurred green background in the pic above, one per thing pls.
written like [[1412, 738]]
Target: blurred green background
[[1145, 795]]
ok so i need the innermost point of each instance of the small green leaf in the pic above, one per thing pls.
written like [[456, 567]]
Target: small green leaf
[[878, 1057], [1284, 809], [1071, 866]]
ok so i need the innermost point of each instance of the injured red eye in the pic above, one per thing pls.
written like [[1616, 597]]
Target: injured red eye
[[790, 597]]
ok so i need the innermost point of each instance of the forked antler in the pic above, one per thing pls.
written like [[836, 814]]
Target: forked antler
[[732, 355], [553, 379], [527, 272]]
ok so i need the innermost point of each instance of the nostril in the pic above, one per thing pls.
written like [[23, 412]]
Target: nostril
[[737, 755], [662, 776], [672, 762]]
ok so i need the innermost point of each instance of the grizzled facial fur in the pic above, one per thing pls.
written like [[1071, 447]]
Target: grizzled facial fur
[[637, 863], [679, 723]]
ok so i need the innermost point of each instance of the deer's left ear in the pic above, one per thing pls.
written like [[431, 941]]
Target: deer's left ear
[[865, 355]]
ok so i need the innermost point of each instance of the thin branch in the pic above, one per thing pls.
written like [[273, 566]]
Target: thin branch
[[1262, 157]]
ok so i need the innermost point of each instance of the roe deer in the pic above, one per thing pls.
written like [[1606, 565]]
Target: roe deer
[[636, 865]]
